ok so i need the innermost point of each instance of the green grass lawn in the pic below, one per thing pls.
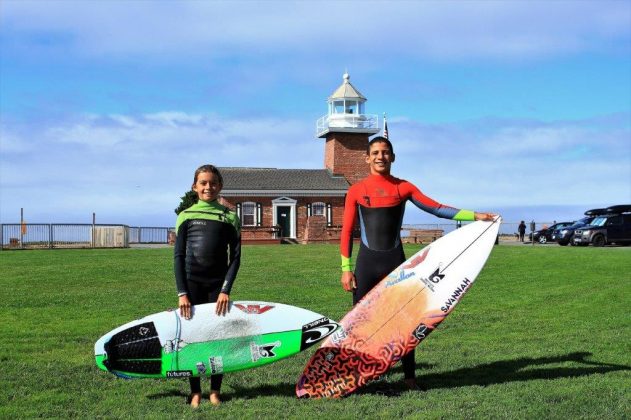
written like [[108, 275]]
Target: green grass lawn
[[544, 333]]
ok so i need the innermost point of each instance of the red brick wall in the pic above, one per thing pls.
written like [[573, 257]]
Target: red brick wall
[[265, 230], [315, 229], [344, 154]]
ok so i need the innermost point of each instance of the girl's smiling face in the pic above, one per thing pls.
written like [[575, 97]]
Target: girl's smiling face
[[207, 186]]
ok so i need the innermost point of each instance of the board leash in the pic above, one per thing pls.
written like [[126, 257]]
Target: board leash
[[176, 346]]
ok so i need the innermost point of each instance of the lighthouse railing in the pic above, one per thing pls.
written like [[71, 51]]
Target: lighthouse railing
[[347, 122]]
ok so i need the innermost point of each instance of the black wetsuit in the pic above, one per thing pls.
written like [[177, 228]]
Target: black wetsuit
[[207, 256]]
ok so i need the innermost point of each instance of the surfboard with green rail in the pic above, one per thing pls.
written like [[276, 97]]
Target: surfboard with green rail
[[251, 334]]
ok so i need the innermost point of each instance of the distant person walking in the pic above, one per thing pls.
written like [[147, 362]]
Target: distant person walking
[[522, 230], [207, 255]]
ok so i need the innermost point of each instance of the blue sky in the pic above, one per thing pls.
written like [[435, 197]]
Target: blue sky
[[511, 106]]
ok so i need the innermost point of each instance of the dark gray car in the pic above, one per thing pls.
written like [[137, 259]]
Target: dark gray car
[[564, 235], [544, 235]]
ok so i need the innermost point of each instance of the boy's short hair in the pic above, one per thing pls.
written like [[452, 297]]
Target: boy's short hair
[[380, 139]]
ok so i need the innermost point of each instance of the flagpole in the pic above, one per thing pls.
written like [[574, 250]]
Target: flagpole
[[385, 126]]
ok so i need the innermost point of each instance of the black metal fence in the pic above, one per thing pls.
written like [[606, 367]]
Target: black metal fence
[[65, 235], [507, 229], [151, 235]]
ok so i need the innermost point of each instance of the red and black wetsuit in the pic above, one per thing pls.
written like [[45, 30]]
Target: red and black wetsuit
[[379, 201]]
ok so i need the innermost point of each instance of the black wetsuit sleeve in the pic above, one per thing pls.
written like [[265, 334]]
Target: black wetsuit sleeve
[[179, 258], [234, 261]]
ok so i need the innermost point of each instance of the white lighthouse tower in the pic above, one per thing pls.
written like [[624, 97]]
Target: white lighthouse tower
[[346, 129]]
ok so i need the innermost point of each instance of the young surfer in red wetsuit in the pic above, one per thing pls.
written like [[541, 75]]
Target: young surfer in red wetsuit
[[379, 202]]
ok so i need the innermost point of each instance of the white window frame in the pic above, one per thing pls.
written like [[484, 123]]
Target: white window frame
[[320, 206], [250, 205]]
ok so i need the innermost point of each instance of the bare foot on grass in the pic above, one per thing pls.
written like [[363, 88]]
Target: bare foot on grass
[[214, 398], [195, 400]]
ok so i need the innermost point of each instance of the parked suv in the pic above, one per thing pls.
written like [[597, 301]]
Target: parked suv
[[603, 230], [564, 235]]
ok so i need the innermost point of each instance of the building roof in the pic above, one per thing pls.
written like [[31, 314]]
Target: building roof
[[346, 90], [272, 181]]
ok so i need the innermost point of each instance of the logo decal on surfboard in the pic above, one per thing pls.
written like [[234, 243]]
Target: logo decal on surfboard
[[339, 335], [417, 260], [216, 365], [254, 309], [179, 374], [399, 275], [201, 368], [402, 275], [168, 346], [434, 278], [421, 332], [316, 331], [456, 295], [263, 351]]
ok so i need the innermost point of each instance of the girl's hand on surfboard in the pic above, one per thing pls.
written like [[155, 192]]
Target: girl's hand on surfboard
[[223, 302], [348, 281], [487, 217], [185, 307]]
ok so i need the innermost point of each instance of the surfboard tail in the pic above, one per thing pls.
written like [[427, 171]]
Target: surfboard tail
[[136, 350]]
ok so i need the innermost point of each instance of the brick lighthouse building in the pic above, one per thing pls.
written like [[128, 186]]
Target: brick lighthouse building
[[346, 128], [306, 205]]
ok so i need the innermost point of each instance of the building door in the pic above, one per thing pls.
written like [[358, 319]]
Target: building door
[[283, 219]]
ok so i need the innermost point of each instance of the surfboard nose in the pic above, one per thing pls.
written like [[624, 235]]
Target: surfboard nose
[[100, 355], [100, 361]]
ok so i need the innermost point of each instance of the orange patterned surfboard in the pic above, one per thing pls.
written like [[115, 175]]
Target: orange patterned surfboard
[[398, 313]]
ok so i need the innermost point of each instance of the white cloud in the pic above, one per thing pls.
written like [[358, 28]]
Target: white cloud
[[122, 166], [144, 162], [512, 162], [442, 29]]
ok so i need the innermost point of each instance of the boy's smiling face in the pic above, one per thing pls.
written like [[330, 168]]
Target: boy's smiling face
[[380, 158]]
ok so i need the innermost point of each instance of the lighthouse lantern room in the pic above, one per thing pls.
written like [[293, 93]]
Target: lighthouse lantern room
[[347, 113]]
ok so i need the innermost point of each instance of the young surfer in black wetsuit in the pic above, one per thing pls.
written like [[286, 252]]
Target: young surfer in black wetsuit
[[207, 256], [379, 201]]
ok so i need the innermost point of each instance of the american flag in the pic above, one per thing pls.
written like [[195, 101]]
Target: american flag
[[385, 127]]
